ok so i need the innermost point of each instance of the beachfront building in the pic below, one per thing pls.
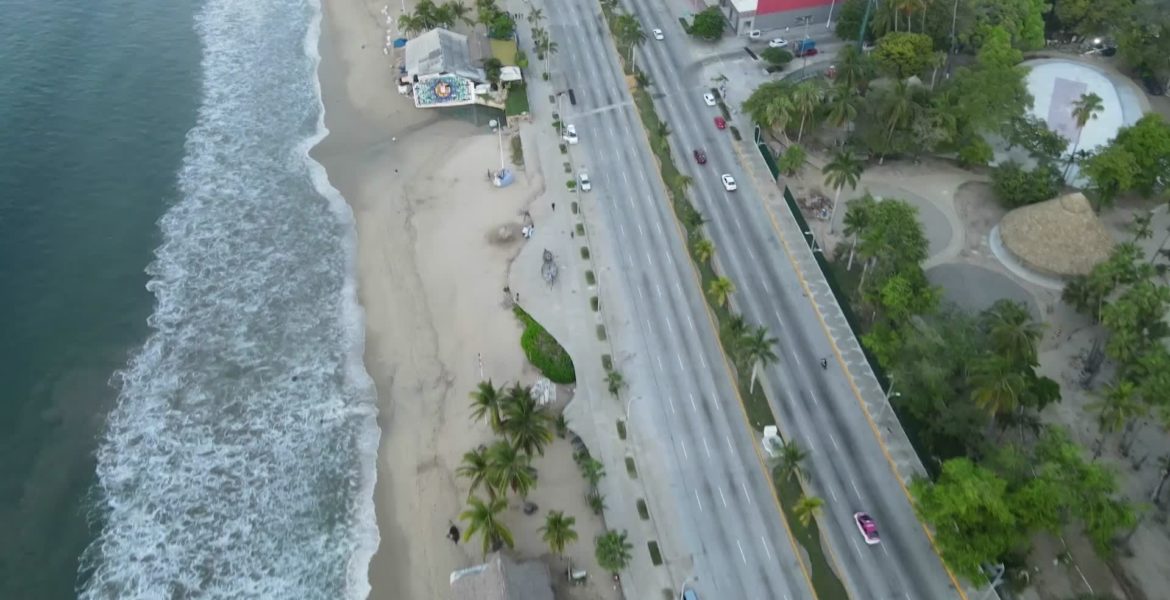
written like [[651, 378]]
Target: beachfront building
[[502, 578], [776, 16], [444, 68]]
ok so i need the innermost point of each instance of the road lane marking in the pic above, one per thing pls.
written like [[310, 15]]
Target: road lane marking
[[833, 493], [703, 362], [684, 449], [722, 497], [834, 438], [857, 548], [700, 502], [741, 553], [670, 327], [672, 410], [779, 319], [659, 288], [854, 484], [693, 406], [641, 232], [767, 550], [623, 228], [706, 447], [752, 254], [658, 226], [660, 367], [649, 259], [680, 362], [691, 322], [641, 296], [729, 446], [745, 492], [767, 288]]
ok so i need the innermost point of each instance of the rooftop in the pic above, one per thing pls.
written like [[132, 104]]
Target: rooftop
[[1061, 237], [440, 51], [502, 578]]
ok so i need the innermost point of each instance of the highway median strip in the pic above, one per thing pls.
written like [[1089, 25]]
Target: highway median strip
[[822, 577]]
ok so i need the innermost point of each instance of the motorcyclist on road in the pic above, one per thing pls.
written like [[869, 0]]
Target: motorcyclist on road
[[824, 363]]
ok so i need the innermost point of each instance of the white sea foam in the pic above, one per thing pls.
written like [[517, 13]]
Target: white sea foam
[[239, 460]]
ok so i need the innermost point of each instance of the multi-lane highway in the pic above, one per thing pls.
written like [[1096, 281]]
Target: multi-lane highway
[[728, 518], [814, 406]]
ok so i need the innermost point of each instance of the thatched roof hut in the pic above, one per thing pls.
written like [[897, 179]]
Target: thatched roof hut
[[501, 578], [1061, 237]]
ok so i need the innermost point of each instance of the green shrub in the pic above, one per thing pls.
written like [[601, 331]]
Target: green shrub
[[655, 554], [593, 303], [601, 332], [642, 510], [590, 278], [580, 229], [517, 151], [777, 56], [584, 253], [607, 362], [1017, 187], [621, 429], [543, 350], [630, 468], [571, 184], [573, 207], [735, 133]]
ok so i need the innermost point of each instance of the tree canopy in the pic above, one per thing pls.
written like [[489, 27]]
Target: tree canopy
[[902, 54], [708, 24]]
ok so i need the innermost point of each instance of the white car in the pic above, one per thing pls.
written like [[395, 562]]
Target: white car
[[778, 43], [709, 99], [728, 182], [658, 34], [755, 34], [583, 177], [570, 134]]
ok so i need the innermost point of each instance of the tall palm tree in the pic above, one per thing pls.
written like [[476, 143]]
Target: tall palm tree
[[477, 468], [720, 290], [807, 99], [484, 518], [997, 385], [614, 381], [792, 460], [843, 170], [1115, 410], [1084, 109], [631, 34], [592, 470], [897, 109], [736, 327], [1012, 331], [558, 531], [807, 508], [854, 69], [842, 103], [779, 113], [756, 348], [856, 222], [526, 424], [535, 16], [508, 468], [613, 551], [457, 11], [487, 402], [704, 249]]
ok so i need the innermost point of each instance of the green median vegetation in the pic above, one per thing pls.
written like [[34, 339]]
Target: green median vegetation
[[543, 350]]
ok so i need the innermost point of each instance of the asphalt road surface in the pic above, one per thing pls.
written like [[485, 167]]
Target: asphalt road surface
[[728, 516], [815, 406]]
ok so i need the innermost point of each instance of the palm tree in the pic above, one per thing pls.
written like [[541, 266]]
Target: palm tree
[[535, 16], [614, 381], [1084, 109], [807, 508], [592, 470], [842, 105], [721, 290], [807, 99], [484, 519], [854, 69], [477, 468], [856, 222], [756, 348], [778, 114], [897, 109], [792, 460], [487, 402], [508, 468], [1141, 226], [997, 385], [613, 551], [630, 33], [1116, 409], [1012, 331], [843, 170], [558, 531], [457, 11], [526, 425], [704, 249]]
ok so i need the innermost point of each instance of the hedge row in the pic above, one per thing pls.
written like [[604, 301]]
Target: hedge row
[[543, 351]]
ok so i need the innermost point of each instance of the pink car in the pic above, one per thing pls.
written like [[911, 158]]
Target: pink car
[[867, 527], [720, 123]]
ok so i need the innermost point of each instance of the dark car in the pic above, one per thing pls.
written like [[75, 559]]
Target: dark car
[[805, 52], [1152, 85], [700, 157]]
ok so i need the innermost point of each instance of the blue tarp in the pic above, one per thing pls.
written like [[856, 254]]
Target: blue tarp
[[400, 42], [504, 178]]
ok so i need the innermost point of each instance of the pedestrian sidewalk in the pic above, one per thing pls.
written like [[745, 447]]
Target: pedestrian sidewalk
[[565, 309]]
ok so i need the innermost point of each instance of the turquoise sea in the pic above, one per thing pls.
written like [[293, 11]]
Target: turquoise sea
[[183, 409]]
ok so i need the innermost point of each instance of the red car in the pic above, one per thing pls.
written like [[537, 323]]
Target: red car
[[803, 53], [867, 527], [700, 157], [720, 123]]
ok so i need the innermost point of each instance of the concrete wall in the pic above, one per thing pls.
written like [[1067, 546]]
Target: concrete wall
[[793, 20], [772, 16]]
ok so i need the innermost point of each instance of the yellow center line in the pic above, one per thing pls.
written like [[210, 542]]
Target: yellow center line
[[849, 377]]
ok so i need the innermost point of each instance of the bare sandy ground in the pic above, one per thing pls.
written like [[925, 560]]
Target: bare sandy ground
[[431, 271]]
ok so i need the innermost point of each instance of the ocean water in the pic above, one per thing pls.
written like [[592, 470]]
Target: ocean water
[[187, 352]]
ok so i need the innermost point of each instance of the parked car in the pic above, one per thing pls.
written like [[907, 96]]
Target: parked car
[[570, 135], [720, 123], [755, 34], [658, 34], [728, 182], [709, 99], [778, 43], [802, 52], [867, 527], [583, 177], [700, 157], [690, 594]]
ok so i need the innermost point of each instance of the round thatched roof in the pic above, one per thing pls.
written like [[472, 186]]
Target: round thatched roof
[[1061, 237]]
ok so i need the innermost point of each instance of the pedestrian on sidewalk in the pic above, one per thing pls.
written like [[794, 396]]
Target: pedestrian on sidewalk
[[554, 205]]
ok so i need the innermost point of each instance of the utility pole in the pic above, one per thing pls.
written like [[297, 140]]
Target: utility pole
[[865, 24]]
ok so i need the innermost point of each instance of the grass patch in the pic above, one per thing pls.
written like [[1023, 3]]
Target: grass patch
[[642, 510], [601, 333], [543, 350], [584, 252], [593, 303], [568, 166], [607, 362], [573, 207], [517, 151], [590, 278], [565, 150], [826, 583], [580, 229], [571, 184], [655, 554], [621, 427], [517, 101], [630, 468]]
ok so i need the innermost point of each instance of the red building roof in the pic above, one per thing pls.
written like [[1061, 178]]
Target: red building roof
[[767, 7]]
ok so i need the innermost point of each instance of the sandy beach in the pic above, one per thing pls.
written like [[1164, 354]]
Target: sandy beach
[[431, 272]]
